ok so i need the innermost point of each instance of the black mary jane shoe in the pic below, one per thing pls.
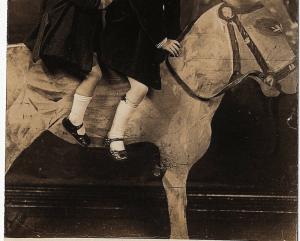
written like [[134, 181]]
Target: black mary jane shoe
[[82, 140], [115, 155]]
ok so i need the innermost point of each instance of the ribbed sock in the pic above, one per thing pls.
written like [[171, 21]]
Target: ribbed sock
[[123, 113], [80, 104]]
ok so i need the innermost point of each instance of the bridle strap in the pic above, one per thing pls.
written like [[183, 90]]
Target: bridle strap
[[234, 81], [250, 43], [236, 78]]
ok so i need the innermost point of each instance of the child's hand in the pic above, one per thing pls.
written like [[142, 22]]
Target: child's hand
[[105, 3], [172, 46]]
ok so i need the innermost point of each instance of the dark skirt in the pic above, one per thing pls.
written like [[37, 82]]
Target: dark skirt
[[67, 37], [127, 49]]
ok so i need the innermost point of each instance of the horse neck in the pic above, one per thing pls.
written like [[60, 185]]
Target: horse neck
[[171, 109]]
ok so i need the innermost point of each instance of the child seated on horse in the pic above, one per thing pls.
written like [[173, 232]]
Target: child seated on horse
[[136, 33], [66, 39]]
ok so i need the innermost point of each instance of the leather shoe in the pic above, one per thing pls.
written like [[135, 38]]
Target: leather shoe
[[118, 156], [82, 140]]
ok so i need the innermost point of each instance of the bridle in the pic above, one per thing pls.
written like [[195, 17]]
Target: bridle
[[236, 78]]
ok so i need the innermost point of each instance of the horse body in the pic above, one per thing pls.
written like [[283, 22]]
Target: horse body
[[181, 125], [179, 119], [177, 123]]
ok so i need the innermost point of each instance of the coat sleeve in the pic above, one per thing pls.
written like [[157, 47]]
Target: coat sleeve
[[87, 4], [150, 15], [172, 13]]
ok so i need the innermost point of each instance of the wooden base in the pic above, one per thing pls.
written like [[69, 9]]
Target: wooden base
[[141, 212]]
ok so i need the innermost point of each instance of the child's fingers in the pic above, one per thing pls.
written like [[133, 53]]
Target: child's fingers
[[177, 43], [171, 51], [176, 49]]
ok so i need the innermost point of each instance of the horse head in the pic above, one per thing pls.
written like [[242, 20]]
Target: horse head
[[231, 43]]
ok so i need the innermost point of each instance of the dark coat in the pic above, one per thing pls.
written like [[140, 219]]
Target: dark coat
[[67, 35], [133, 29]]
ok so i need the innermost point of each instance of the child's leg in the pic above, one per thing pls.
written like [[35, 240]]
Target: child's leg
[[83, 97], [124, 111]]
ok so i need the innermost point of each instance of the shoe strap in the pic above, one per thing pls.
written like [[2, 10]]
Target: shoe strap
[[118, 152], [73, 126], [78, 127], [115, 139]]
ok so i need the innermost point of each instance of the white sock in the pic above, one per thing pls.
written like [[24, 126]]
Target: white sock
[[80, 104], [123, 114]]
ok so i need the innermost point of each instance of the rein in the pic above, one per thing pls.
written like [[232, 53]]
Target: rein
[[236, 78]]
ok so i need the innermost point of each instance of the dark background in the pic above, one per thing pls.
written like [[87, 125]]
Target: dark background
[[253, 150]]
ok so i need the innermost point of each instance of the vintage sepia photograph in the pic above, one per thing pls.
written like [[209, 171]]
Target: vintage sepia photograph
[[152, 119]]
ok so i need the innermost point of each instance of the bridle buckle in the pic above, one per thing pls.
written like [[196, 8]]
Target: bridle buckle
[[227, 12]]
